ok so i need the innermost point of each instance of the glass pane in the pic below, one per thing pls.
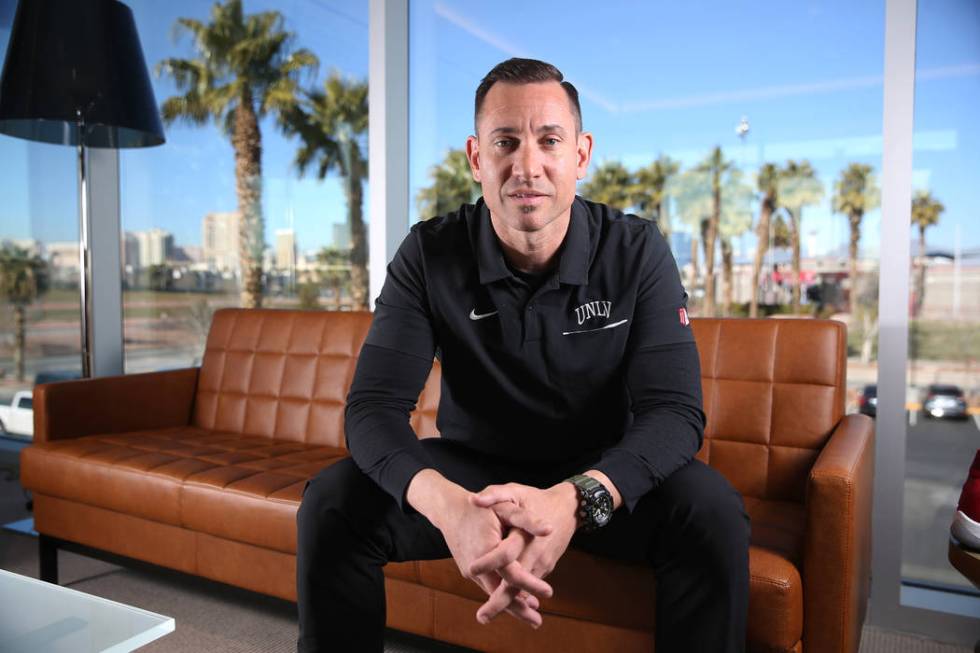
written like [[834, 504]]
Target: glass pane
[[40, 331], [683, 98], [186, 249], [944, 302]]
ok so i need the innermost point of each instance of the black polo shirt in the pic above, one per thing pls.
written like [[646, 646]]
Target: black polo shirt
[[596, 357]]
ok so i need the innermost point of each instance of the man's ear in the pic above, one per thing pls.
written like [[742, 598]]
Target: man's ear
[[584, 152], [473, 156]]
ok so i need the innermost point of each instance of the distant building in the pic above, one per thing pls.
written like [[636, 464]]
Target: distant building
[[285, 250], [341, 236], [130, 252], [155, 246], [63, 259], [194, 253], [62, 255], [219, 240]]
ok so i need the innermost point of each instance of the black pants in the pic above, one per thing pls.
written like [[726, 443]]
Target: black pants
[[693, 530]]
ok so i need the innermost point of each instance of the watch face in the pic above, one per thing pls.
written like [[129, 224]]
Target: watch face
[[602, 509]]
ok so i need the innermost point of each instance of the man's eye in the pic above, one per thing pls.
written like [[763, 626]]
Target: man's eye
[[551, 141], [504, 142]]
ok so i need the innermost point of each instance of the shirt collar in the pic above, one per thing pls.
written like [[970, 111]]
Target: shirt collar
[[573, 263]]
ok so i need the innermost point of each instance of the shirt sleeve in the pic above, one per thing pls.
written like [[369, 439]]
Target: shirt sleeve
[[663, 376], [391, 370]]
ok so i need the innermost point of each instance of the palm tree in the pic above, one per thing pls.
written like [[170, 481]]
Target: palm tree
[[716, 167], [331, 125], [735, 220], [335, 271], [650, 191], [690, 191], [452, 186], [925, 212], [798, 187], [245, 69], [611, 184], [767, 183], [855, 193], [23, 278]]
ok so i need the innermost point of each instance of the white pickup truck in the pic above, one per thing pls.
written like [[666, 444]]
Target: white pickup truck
[[18, 417]]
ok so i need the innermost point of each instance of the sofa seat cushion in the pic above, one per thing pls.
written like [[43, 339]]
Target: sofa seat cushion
[[591, 587], [244, 488]]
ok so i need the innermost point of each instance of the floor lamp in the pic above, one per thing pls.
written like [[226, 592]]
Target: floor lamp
[[75, 75]]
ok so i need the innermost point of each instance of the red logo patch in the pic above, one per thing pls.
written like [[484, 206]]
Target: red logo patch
[[682, 314]]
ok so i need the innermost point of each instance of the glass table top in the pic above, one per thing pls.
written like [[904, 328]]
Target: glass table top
[[38, 617]]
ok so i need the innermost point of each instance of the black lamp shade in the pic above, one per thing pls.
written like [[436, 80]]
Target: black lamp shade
[[72, 60]]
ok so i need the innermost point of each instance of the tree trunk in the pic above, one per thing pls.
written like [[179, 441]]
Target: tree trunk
[[920, 281], [20, 341], [709, 248], [693, 281], [726, 270], [855, 220], [663, 223], [869, 331], [358, 239], [794, 234], [762, 245], [337, 296], [247, 141], [705, 226]]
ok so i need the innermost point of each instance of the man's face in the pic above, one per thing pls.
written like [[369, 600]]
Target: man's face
[[527, 154]]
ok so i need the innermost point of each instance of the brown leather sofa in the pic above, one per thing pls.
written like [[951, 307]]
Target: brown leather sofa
[[201, 470]]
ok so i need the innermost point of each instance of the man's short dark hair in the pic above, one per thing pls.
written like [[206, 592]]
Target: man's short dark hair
[[526, 71]]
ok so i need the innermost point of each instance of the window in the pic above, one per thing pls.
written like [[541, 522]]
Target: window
[[39, 297], [187, 249], [944, 303], [778, 104]]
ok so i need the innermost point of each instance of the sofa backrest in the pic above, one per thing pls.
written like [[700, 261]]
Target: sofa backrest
[[285, 375], [773, 388]]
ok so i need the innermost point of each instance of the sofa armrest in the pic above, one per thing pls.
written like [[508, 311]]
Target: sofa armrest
[[114, 404], [837, 553]]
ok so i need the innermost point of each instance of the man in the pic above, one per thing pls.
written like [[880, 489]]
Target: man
[[570, 392]]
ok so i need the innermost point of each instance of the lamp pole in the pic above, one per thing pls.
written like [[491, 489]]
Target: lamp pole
[[84, 252]]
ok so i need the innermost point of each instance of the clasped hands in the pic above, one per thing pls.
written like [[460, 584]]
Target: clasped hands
[[507, 539]]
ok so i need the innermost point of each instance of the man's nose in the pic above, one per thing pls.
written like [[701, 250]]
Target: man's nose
[[527, 163]]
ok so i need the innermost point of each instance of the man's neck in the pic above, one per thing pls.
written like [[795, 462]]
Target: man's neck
[[532, 251]]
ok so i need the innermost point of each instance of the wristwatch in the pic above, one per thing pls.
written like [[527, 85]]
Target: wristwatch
[[595, 502]]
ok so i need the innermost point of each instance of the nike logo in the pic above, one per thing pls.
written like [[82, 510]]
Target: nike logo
[[608, 326], [475, 317]]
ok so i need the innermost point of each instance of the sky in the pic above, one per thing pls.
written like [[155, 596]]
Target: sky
[[655, 78]]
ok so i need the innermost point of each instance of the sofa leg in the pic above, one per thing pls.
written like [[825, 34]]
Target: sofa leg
[[47, 548]]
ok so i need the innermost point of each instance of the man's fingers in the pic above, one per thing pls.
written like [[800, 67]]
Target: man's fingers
[[501, 555], [512, 601], [525, 613], [518, 517], [519, 577], [530, 599], [493, 494], [500, 599], [488, 582]]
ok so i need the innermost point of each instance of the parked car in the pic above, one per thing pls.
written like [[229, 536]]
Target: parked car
[[51, 376], [868, 401], [18, 417], [941, 400]]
